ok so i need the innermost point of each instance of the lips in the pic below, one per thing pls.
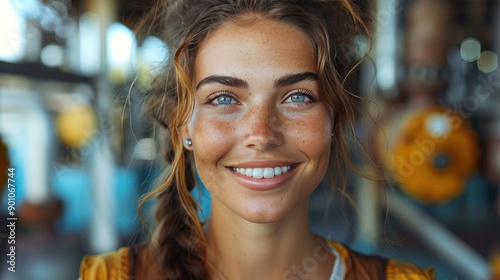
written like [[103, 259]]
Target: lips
[[264, 172], [263, 175]]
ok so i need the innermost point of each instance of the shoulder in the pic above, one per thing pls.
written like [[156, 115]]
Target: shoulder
[[134, 262], [360, 266], [404, 270], [110, 266]]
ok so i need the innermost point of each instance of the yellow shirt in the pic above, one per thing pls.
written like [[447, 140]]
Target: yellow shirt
[[117, 266]]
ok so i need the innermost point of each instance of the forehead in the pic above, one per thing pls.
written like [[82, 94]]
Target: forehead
[[261, 43]]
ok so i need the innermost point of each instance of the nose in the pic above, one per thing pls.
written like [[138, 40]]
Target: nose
[[263, 128]]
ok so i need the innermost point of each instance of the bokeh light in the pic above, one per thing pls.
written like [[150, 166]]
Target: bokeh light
[[470, 49], [146, 149], [52, 55], [121, 52], [12, 31], [152, 55], [487, 62]]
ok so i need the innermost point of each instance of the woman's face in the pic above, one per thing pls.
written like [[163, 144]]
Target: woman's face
[[260, 128]]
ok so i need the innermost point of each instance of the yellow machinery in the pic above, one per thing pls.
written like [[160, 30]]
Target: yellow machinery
[[431, 152]]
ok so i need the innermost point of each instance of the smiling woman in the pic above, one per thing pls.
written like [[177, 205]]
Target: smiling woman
[[253, 100], [258, 107]]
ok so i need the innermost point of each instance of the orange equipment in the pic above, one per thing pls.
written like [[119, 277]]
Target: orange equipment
[[431, 151]]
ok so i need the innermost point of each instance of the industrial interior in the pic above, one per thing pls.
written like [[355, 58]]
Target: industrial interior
[[73, 75]]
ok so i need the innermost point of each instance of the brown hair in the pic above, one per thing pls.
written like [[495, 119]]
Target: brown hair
[[184, 25]]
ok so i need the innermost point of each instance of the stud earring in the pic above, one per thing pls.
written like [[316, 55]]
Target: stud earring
[[333, 135], [188, 142]]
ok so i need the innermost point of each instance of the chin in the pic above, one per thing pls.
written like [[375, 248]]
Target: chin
[[266, 213], [264, 217]]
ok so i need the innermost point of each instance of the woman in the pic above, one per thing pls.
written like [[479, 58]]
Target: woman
[[253, 101]]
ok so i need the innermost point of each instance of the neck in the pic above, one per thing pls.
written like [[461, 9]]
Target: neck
[[240, 249]]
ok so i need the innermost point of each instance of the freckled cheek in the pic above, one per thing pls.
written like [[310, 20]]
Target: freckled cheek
[[211, 139], [312, 136]]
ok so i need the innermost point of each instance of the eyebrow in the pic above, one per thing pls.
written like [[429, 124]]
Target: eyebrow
[[291, 79], [284, 81], [225, 80]]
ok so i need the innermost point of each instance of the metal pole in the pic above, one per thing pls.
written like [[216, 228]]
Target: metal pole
[[104, 235], [386, 46], [439, 239]]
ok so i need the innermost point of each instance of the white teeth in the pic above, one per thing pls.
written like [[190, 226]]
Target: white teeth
[[268, 172], [247, 172], [277, 171], [259, 173]]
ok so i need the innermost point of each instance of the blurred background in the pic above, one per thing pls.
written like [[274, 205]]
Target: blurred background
[[79, 153]]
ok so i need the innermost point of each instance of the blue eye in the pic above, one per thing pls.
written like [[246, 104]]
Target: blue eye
[[223, 99], [299, 97]]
